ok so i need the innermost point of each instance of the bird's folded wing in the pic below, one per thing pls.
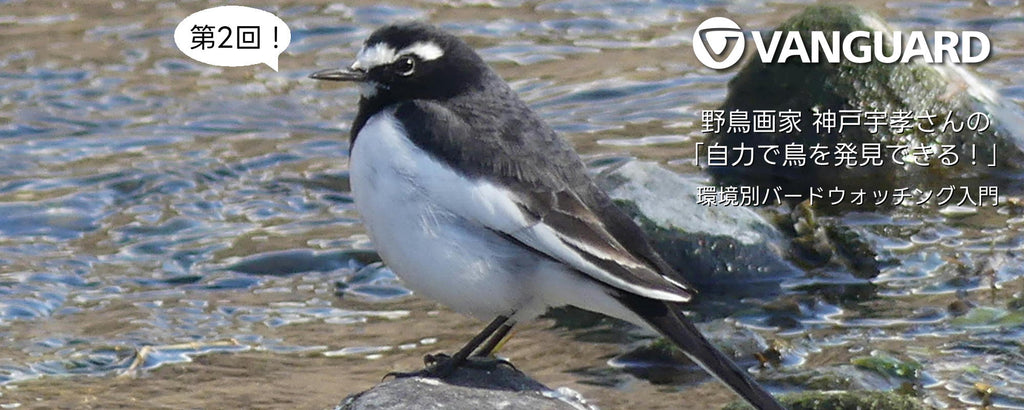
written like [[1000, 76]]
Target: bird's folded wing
[[561, 226], [566, 229], [548, 217]]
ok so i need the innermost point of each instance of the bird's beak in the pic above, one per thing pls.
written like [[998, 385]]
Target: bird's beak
[[340, 74]]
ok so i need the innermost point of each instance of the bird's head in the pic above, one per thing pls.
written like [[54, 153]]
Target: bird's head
[[411, 61]]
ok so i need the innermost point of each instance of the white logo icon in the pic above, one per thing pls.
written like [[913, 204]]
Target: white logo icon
[[715, 33]]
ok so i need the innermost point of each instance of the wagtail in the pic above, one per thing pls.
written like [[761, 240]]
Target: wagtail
[[474, 201]]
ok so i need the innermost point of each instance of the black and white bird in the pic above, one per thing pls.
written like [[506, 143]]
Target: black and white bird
[[477, 203]]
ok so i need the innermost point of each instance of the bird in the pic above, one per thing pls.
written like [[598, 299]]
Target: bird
[[473, 200]]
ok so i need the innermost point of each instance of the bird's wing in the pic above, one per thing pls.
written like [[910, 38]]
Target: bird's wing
[[554, 211], [563, 227]]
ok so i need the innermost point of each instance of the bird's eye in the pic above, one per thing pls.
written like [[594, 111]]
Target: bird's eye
[[405, 66]]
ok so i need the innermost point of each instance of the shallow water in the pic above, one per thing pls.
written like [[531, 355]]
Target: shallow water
[[150, 200]]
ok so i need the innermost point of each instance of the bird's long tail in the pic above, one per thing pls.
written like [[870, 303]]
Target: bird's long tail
[[668, 319]]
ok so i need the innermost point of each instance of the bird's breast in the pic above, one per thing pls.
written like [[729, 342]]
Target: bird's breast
[[404, 197], [383, 172]]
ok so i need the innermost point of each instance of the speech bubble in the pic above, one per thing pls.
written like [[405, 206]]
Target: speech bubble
[[233, 36]]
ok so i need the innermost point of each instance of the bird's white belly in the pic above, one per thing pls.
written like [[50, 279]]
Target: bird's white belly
[[436, 253], [444, 253]]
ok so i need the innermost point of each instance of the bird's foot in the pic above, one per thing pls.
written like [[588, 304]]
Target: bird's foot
[[437, 366], [472, 362], [488, 362], [434, 359], [403, 375], [440, 366]]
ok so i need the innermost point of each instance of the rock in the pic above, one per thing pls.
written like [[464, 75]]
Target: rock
[[468, 388], [719, 249], [879, 380], [819, 241], [916, 86], [293, 261], [840, 377], [843, 401]]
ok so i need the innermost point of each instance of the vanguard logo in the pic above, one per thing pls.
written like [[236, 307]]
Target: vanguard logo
[[856, 47]]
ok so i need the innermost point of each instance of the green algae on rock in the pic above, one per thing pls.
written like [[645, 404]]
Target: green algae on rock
[[933, 89], [859, 400], [888, 365]]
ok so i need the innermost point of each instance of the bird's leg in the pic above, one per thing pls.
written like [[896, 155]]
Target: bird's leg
[[444, 366], [485, 354], [441, 366], [497, 340]]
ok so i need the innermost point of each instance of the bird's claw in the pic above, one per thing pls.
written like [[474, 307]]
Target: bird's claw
[[403, 375], [505, 362], [433, 359]]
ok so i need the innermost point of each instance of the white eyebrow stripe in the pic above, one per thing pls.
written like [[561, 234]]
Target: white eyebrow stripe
[[373, 56], [425, 50], [382, 54]]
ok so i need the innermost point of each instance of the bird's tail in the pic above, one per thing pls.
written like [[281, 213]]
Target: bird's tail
[[668, 319]]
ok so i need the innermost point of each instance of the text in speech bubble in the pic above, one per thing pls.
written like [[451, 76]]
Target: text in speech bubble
[[233, 36]]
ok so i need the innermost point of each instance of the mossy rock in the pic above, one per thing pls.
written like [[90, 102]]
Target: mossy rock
[[819, 87], [819, 241], [846, 377], [858, 400], [720, 250]]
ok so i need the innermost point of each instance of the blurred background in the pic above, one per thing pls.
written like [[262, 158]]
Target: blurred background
[[201, 215]]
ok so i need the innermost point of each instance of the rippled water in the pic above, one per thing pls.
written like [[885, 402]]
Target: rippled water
[[150, 202]]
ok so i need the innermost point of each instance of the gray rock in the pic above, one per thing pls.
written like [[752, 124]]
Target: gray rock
[[469, 388], [720, 249], [937, 89]]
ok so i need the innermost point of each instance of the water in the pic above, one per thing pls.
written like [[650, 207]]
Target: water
[[202, 215]]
